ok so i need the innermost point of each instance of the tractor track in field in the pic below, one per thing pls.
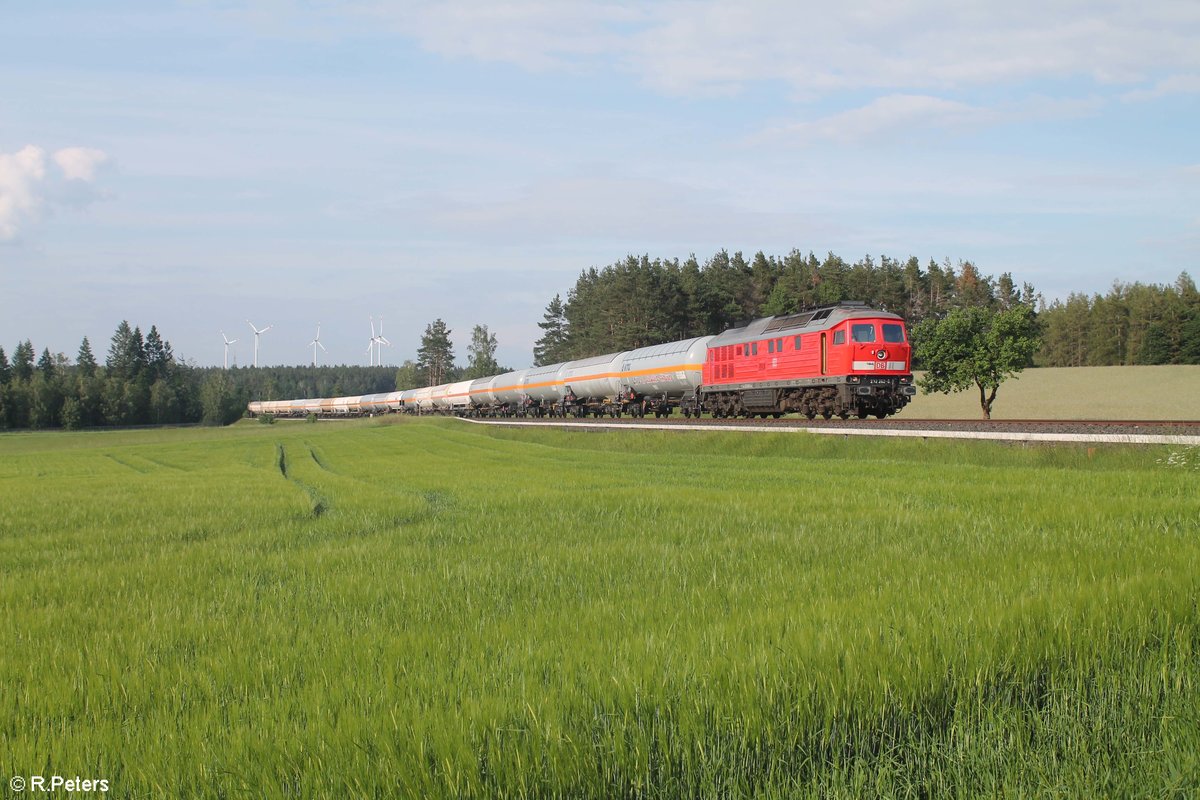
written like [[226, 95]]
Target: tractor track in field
[[320, 504]]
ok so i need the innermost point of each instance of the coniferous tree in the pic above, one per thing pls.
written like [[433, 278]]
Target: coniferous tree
[[137, 353], [551, 348], [86, 361], [45, 364], [159, 357], [5, 368], [122, 362], [23, 361], [435, 356]]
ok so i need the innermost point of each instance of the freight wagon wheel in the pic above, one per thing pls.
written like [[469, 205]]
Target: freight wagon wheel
[[827, 414], [844, 414], [810, 414], [777, 415], [880, 414]]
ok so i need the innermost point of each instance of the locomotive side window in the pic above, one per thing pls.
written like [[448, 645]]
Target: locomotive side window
[[893, 333], [797, 344], [839, 337], [779, 345], [863, 332], [754, 348], [771, 346]]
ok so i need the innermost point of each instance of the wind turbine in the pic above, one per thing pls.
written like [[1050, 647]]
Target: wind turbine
[[371, 344], [317, 343], [228, 342], [257, 333], [378, 341]]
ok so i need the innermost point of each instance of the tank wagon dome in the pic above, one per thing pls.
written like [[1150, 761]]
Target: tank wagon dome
[[812, 320]]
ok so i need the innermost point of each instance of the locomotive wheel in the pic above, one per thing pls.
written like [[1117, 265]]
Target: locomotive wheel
[[778, 415], [827, 414], [881, 414], [862, 413]]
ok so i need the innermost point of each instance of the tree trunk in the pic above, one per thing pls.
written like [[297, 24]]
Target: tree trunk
[[985, 401]]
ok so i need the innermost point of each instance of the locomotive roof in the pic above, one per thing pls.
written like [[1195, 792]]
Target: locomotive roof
[[813, 319]]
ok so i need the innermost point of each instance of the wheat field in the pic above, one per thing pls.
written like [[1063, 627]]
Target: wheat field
[[423, 608]]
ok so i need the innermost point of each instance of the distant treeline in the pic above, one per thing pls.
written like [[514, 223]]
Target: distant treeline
[[642, 301], [633, 303], [1133, 324], [142, 383]]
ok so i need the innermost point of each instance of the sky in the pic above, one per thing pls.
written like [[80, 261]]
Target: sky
[[194, 165]]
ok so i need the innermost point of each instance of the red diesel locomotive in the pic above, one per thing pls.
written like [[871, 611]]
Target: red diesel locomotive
[[842, 360]]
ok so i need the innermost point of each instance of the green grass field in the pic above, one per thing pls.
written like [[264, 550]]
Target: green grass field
[[436, 609], [1142, 393]]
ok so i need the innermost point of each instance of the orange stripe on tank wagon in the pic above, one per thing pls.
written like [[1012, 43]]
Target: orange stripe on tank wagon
[[633, 373]]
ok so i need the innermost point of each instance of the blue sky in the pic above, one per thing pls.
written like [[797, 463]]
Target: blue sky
[[197, 164]]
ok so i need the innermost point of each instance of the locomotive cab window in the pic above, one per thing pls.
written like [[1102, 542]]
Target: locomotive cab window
[[863, 332], [893, 334], [839, 337]]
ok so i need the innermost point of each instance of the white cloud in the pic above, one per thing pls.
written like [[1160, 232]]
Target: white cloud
[[899, 116], [890, 116], [690, 46], [26, 188], [21, 174], [533, 34], [79, 163], [1174, 84]]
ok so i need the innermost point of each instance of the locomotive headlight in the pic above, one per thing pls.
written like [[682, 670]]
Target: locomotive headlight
[[852, 378], [881, 354]]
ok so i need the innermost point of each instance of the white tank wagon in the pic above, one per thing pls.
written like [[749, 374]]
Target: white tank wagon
[[438, 399], [458, 397], [421, 400], [542, 387], [509, 396], [592, 384], [374, 403], [299, 408], [345, 406], [483, 396], [665, 376]]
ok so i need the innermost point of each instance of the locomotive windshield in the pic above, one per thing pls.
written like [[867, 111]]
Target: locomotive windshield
[[863, 332], [893, 333]]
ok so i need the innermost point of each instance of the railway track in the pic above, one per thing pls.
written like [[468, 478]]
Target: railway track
[[1185, 432]]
